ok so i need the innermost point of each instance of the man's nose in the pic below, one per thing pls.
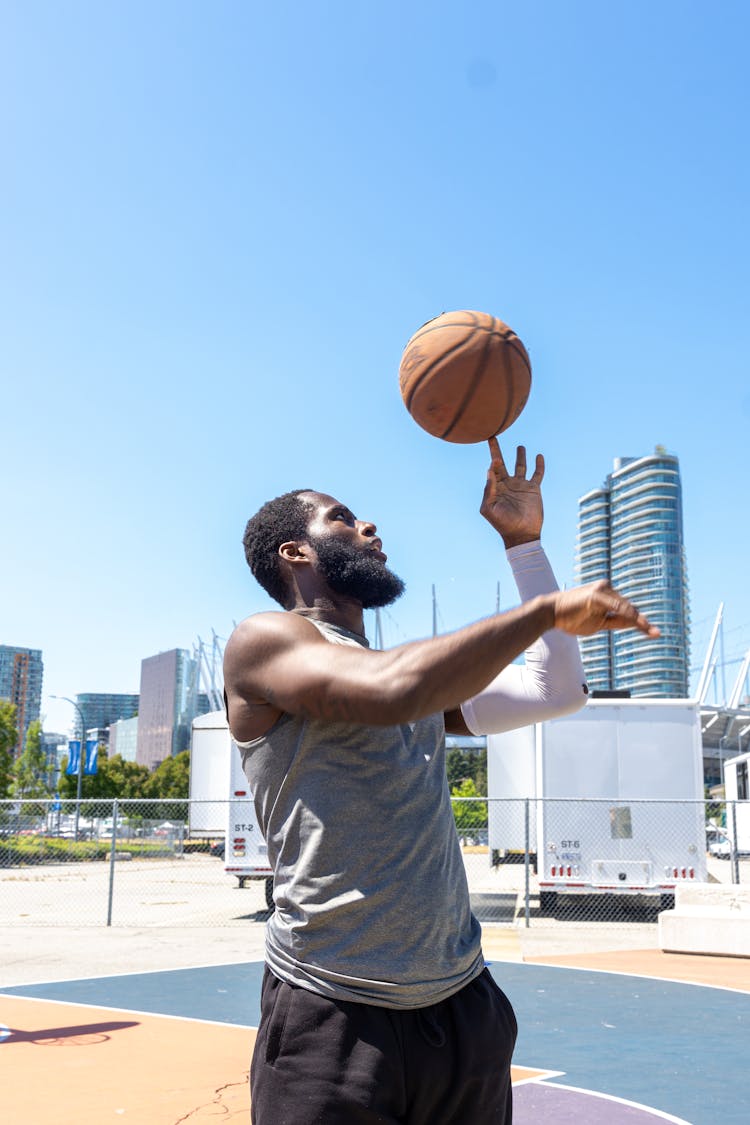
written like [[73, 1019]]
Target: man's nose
[[367, 528]]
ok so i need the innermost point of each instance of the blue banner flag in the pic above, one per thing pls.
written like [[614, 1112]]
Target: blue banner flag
[[74, 757], [92, 754]]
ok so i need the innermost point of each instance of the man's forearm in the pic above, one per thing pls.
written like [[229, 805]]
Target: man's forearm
[[553, 661], [550, 683], [438, 674]]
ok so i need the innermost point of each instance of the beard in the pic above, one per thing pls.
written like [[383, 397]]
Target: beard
[[357, 574]]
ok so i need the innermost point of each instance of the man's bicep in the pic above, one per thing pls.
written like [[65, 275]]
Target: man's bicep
[[323, 681], [269, 653], [285, 674], [296, 670]]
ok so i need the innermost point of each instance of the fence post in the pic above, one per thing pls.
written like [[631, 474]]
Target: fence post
[[734, 841], [112, 862], [526, 863]]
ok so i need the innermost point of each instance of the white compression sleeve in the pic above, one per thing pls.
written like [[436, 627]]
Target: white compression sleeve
[[552, 680]]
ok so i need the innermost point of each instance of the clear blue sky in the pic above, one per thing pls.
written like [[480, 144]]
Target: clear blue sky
[[221, 223]]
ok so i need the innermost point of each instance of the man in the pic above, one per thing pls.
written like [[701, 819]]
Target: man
[[376, 1004]]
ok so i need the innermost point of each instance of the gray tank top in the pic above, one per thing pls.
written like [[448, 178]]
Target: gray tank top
[[372, 903]]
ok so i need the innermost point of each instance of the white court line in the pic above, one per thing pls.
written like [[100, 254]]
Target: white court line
[[132, 973], [635, 976], [129, 1011], [621, 1101]]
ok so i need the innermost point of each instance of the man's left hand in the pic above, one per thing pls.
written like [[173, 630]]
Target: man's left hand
[[512, 504]]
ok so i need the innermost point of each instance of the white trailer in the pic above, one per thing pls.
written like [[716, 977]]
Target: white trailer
[[210, 760], [224, 803], [615, 798], [737, 793]]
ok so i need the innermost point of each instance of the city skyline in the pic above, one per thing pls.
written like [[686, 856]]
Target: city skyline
[[219, 232]]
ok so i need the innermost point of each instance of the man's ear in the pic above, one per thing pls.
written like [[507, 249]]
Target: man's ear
[[294, 552]]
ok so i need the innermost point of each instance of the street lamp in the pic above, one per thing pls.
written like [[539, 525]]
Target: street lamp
[[73, 703]]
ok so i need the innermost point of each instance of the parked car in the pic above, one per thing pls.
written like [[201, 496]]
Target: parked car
[[717, 843]]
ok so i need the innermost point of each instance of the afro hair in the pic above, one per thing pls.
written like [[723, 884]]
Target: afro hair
[[279, 521]]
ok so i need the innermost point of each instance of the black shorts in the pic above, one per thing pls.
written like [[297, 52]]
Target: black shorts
[[331, 1062]]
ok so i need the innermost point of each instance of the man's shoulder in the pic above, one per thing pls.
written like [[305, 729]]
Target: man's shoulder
[[270, 629]]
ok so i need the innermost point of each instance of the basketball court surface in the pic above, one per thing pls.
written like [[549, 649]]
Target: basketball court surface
[[629, 1038]]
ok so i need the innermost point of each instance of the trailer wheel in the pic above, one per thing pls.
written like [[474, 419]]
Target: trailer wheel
[[269, 893], [547, 902]]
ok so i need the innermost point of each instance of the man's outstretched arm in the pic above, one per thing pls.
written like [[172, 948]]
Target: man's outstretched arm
[[282, 660]]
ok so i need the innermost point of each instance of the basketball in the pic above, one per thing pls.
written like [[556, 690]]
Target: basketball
[[465, 376]]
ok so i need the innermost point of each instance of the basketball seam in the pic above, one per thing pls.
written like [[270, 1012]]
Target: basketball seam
[[520, 351], [455, 324], [495, 326], [431, 326], [473, 384], [428, 370], [505, 422], [510, 337], [512, 340]]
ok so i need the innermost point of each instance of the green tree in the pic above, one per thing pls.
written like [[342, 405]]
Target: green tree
[[171, 778], [114, 777], [480, 775], [463, 764], [129, 778], [8, 739], [468, 814], [455, 764], [170, 781], [30, 767]]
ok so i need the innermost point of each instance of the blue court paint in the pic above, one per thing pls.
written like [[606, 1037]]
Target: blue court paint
[[226, 993], [678, 1048]]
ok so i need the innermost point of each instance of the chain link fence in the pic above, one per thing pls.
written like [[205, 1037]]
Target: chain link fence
[[529, 863], [549, 862], [119, 863]]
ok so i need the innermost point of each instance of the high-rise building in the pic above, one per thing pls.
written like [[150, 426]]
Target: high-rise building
[[123, 739], [169, 701], [21, 672], [630, 532], [100, 710]]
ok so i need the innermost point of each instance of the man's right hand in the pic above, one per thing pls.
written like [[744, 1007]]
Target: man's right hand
[[586, 610]]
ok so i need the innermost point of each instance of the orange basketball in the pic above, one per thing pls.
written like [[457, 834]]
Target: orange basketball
[[465, 376]]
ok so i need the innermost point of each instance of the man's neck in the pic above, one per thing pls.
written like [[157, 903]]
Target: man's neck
[[344, 612]]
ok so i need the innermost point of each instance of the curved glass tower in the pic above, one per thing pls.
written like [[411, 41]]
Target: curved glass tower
[[630, 532], [593, 563]]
